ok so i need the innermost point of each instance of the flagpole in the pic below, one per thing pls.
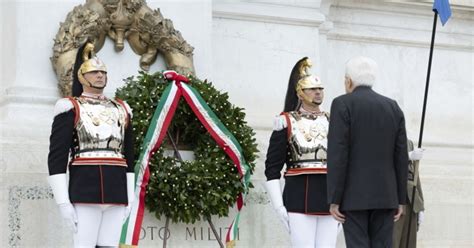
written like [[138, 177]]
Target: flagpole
[[420, 138]]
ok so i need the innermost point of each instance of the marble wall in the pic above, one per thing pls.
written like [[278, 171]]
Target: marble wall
[[248, 49]]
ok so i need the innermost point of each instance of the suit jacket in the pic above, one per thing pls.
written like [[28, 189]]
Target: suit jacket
[[367, 152]]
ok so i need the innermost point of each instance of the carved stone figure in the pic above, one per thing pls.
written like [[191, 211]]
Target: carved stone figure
[[146, 31]]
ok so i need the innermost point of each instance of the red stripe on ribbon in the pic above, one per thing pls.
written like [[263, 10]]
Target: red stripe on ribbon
[[227, 236], [141, 204], [240, 201]]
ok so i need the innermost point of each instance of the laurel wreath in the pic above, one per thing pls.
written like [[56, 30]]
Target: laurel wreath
[[189, 191]]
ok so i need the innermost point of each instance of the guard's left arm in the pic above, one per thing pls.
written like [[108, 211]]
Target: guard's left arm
[[130, 157], [129, 145], [420, 192]]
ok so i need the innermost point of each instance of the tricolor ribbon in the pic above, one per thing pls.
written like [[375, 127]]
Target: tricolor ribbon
[[154, 137]]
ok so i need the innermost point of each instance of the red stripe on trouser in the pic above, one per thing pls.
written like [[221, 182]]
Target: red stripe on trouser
[[101, 184], [306, 195]]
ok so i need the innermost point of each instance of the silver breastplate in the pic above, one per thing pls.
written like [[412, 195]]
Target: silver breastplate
[[100, 128], [308, 140]]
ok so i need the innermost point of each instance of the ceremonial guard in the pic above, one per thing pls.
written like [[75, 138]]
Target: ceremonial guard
[[299, 140], [415, 208], [92, 138]]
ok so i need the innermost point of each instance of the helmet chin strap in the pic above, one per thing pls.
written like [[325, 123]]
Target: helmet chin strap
[[308, 100], [312, 104], [95, 87]]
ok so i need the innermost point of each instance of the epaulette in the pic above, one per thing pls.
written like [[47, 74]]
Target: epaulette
[[63, 105], [280, 122]]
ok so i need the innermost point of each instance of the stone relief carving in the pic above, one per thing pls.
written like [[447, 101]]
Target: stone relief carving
[[146, 31]]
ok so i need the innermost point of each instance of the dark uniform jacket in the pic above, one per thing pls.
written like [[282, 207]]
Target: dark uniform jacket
[[367, 152], [91, 180]]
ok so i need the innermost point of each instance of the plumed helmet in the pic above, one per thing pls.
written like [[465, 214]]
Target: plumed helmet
[[86, 61], [306, 80], [300, 79]]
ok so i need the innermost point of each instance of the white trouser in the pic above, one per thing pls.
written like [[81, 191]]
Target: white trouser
[[98, 225], [313, 231]]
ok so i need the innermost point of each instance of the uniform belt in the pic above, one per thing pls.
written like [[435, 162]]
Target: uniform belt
[[99, 153], [99, 157], [305, 167], [315, 163]]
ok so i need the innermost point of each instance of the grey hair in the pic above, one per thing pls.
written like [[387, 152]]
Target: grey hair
[[362, 71]]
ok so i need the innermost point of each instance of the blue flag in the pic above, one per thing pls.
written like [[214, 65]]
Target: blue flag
[[443, 9]]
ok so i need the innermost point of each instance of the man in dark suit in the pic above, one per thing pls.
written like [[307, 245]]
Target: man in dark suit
[[367, 159]]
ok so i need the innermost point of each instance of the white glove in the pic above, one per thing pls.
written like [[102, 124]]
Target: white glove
[[130, 193], [68, 212], [59, 186], [416, 154], [274, 191], [421, 217]]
